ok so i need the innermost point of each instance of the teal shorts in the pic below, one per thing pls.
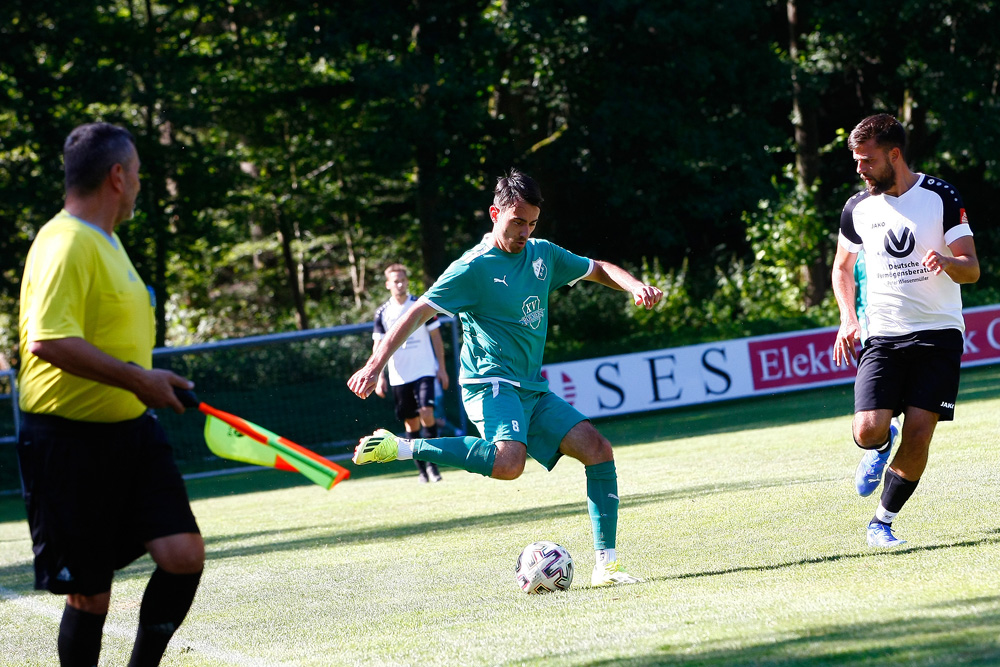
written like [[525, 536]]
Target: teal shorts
[[539, 419]]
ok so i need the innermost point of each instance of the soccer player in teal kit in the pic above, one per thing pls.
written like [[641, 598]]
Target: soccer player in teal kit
[[500, 290]]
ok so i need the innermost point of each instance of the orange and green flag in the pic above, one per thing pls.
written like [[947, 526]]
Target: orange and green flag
[[234, 438]]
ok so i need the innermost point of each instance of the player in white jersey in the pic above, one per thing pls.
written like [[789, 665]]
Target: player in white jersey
[[500, 289], [413, 369], [918, 251]]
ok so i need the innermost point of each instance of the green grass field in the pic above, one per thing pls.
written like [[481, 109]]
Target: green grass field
[[741, 516]]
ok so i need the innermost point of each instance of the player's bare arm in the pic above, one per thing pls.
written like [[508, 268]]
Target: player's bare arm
[[364, 380], [963, 267], [615, 277], [154, 387], [844, 350]]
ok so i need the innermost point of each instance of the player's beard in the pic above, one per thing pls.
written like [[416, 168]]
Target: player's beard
[[881, 182]]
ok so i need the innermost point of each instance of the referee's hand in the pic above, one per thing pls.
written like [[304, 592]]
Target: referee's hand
[[156, 389]]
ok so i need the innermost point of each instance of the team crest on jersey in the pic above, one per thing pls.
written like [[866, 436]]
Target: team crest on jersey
[[963, 217], [533, 312], [900, 246], [540, 269]]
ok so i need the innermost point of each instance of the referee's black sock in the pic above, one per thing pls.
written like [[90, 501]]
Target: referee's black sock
[[164, 606], [427, 432], [80, 634]]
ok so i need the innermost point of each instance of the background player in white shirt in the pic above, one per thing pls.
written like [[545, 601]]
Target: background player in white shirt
[[918, 250]]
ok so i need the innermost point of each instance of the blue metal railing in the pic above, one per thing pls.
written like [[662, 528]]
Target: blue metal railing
[[9, 388]]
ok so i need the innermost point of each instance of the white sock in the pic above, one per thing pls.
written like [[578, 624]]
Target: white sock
[[404, 449], [884, 515], [605, 556]]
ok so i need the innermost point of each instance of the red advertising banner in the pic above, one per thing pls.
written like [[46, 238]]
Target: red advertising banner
[[800, 359], [982, 336], [805, 358]]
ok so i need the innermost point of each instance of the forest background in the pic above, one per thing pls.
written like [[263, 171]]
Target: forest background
[[292, 149]]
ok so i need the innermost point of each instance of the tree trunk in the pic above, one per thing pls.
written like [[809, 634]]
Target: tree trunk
[[425, 104], [428, 196], [285, 235], [156, 185], [357, 265], [816, 275]]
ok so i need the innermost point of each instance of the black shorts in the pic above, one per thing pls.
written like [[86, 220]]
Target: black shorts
[[918, 370], [412, 396], [95, 493]]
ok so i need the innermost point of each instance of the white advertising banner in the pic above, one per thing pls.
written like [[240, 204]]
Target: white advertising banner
[[725, 370]]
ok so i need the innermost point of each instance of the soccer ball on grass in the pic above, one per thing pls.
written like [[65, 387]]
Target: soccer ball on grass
[[544, 567]]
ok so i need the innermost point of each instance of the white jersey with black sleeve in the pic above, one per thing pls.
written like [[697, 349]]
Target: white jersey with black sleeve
[[415, 358], [903, 296]]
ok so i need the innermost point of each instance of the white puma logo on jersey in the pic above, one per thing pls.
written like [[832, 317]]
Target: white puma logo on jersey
[[501, 280]]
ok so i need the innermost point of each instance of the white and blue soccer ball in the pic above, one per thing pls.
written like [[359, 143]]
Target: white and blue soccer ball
[[544, 567]]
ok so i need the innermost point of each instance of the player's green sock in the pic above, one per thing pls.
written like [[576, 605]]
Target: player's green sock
[[468, 453], [602, 503]]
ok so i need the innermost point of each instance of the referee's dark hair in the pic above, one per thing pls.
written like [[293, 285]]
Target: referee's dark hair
[[884, 128], [89, 153], [514, 187]]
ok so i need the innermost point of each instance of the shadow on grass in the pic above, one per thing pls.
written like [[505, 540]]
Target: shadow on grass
[[956, 633], [964, 631], [306, 537], [832, 558], [19, 576], [979, 383], [323, 535]]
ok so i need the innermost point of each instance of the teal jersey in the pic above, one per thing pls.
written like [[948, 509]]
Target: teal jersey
[[861, 294], [502, 300]]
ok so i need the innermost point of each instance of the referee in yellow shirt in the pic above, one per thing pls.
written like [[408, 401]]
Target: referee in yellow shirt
[[100, 483]]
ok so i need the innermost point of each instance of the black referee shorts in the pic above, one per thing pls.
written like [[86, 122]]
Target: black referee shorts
[[920, 370], [95, 493]]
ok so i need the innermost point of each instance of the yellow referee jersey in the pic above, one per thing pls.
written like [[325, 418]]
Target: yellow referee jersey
[[80, 283]]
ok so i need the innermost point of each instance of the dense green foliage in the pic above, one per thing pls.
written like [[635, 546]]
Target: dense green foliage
[[291, 149]]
